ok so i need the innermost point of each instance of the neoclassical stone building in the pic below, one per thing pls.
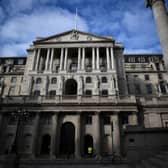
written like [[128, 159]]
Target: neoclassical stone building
[[77, 99]]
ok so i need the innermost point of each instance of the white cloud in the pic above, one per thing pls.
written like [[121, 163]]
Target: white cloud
[[42, 22]]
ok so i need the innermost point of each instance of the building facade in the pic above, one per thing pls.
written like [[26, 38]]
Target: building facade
[[78, 99]]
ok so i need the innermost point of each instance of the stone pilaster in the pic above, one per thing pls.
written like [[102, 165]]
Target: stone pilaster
[[78, 138], [112, 58], [116, 134], [35, 144], [97, 145], [54, 135]]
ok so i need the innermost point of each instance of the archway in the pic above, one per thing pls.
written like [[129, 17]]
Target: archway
[[45, 144], [70, 87], [67, 139], [88, 145]]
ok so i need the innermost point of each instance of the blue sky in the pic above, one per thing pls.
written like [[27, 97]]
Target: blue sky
[[127, 21]]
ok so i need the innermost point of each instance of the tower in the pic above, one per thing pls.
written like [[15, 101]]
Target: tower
[[161, 19]]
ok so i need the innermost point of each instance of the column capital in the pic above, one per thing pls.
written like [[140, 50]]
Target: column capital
[[149, 3]]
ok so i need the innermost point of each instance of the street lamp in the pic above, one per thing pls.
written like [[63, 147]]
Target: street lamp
[[21, 114]]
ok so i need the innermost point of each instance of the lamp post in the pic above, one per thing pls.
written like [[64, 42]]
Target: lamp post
[[20, 115]]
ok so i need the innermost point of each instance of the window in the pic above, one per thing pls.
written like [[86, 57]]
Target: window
[[163, 87], [88, 92], [104, 80], [104, 92], [131, 140], [160, 76], [149, 88], [38, 80], [146, 77], [52, 93], [36, 93], [13, 80], [88, 80], [124, 119], [53, 80], [88, 119], [137, 89], [106, 120]]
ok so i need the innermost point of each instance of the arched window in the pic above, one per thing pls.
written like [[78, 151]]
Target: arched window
[[38, 80], [36, 93], [104, 79], [45, 144], [53, 80], [88, 80]]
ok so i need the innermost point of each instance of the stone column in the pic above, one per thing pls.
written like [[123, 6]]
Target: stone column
[[97, 146], [112, 58], [116, 134], [61, 59], [93, 58], [79, 58], [47, 60], [37, 59], [107, 58], [98, 61], [54, 135], [34, 57], [51, 60], [161, 19], [83, 58], [35, 144], [65, 60], [78, 138]]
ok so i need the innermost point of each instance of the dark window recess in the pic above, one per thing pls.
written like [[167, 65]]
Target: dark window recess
[[131, 140], [137, 89], [52, 93], [106, 120], [104, 80], [149, 88], [104, 92], [160, 76], [53, 80], [124, 119], [88, 92], [88, 120], [38, 80], [146, 77], [163, 87], [88, 80], [36, 93]]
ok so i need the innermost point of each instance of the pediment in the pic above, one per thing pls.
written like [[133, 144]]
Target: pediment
[[73, 36]]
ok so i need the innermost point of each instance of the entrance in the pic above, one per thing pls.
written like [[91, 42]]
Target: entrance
[[88, 145], [67, 139], [70, 87]]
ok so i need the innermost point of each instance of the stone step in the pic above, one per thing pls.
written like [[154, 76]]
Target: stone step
[[159, 162], [147, 164]]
